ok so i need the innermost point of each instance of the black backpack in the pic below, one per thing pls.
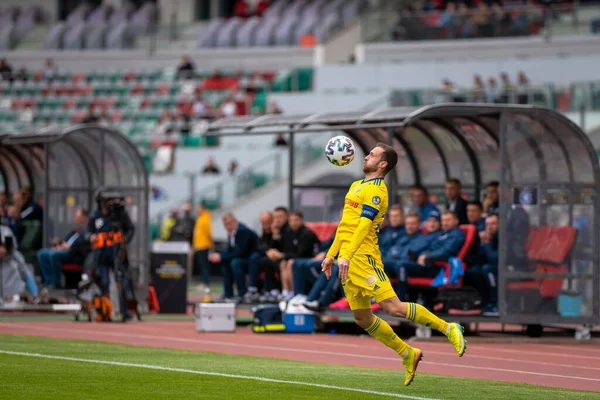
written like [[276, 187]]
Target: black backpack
[[457, 300]]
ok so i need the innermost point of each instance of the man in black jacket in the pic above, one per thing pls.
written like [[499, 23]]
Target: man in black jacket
[[260, 261], [455, 202], [296, 242], [235, 261]]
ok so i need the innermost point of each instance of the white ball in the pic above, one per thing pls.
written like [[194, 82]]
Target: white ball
[[340, 151]]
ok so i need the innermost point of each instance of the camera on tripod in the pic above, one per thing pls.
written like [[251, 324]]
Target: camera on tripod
[[114, 203]]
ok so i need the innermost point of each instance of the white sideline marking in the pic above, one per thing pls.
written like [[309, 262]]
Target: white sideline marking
[[208, 373], [291, 349]]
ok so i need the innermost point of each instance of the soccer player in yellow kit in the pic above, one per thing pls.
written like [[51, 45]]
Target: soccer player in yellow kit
[[361, 269]]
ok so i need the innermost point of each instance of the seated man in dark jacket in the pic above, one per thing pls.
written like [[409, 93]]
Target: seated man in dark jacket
[[297, 242], [484, 277], [235, 261], [475, 215], [447, 244], [52, 259], [305, 271], [259, 261]]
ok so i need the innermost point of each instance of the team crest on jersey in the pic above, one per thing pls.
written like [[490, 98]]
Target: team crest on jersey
[[371, 280], [376, 200]]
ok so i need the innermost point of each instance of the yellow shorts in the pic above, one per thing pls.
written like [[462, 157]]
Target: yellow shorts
[[366, 279]]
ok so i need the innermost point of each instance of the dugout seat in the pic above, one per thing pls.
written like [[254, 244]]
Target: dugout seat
[[323, 230], [548, 252], [72, 274], [470, 231]]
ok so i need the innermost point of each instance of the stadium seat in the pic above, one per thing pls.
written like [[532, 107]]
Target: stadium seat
[[323, 230], [548, 250]]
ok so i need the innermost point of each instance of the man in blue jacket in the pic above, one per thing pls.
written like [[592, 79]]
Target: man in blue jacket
[[235, 261], [484, 277], [441, 247], [419, 197], [475, 215], [390, 235]]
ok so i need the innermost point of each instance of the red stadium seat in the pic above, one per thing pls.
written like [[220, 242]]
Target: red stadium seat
[[323, 230]]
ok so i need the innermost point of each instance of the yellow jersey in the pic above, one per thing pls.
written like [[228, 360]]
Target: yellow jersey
[[365, 206]]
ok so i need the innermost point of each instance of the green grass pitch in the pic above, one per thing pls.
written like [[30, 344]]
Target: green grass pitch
[[71, 369]]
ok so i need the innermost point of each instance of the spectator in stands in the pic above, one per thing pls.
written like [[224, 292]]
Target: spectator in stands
[[455, 201], [21, 75], [241, 9], [228, 107], [478, 90], [297, 241], [274, 109], [186, 69], [235, 261], [50, 71], [475, 215], [280, 140], [484, 277], [30, 211], [261, 7], [201, 108], [233, 167], [260, 261], [305, 271], [523, 87], [508, 90], [202, 244], [158, 193], [5, 71], [183, 230], [90, 117], [52, 259], [439, 249], [419, 197], [481, 20], [447, 20], [493, 93], [211, 167], [491, 203]]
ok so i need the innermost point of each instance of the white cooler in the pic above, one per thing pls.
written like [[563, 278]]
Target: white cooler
[[215, 317]]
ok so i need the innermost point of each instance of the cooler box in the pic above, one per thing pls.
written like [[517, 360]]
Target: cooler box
[[215, 317], [299, 320]]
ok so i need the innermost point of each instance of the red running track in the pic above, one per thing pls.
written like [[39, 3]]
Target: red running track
[[571, 366]]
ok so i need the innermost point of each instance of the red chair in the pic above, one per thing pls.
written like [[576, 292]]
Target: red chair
[[470, 232], [323, 230], [548, 249]]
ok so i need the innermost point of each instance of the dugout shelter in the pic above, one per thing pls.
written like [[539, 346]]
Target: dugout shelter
[[549, 177], [65, 168]]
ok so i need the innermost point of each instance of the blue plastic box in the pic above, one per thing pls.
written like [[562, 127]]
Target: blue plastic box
[[299, 323]]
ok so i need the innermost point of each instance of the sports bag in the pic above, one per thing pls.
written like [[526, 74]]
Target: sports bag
[[267, 318], [460, 300]]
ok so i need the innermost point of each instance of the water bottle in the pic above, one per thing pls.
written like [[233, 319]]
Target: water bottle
[[206, 298]]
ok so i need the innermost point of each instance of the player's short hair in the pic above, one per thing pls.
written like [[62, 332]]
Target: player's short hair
[[297, 214], [418, 186], [475, 203], [414, 215], [397, 207], [281, 208], [450, 212], [495, 184], [390, 155], [454, 181]]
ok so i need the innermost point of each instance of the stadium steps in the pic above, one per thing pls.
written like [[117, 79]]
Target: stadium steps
[[34, 39]]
